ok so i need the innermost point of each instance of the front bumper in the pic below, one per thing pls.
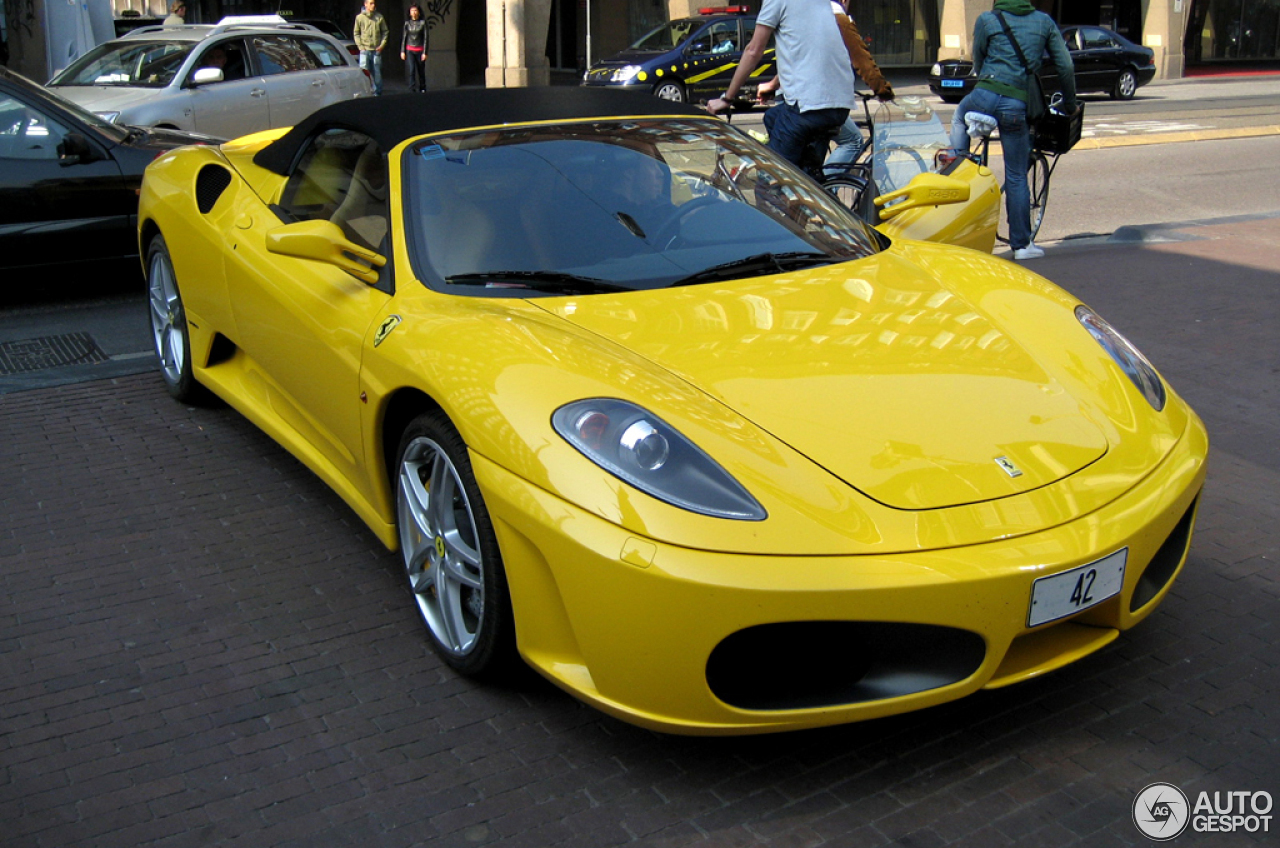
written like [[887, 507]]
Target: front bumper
[[629, 624]]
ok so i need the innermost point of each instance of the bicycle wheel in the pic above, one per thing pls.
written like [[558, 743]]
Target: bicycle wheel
[[851, 191], [1038, 189], [1038, 184]]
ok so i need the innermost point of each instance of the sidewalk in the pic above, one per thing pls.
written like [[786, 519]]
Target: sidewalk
[[201, 645]]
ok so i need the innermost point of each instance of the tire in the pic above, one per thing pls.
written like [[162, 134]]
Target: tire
[[850, 191], [450, 552], [169, 332], [1126, 85], [1038, 185], [670, 90], [951, 98]]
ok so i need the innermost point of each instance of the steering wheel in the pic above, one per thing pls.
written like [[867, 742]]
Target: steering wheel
[[668, 233]]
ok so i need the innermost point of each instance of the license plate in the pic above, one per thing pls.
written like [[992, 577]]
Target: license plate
[[953, 83], [1061, 595]]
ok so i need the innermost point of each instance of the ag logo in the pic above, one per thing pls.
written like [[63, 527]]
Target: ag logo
[[384, 329], [1161, 812]]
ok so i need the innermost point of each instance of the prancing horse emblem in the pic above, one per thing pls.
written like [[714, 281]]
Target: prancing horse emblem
[[1008, 467], [384, 329]]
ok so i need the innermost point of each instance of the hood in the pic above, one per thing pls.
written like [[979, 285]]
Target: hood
[[106, 98], [876, 370], [1015, 7], [164, 139]]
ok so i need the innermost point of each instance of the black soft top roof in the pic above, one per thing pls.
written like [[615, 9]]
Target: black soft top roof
[[391, 119]]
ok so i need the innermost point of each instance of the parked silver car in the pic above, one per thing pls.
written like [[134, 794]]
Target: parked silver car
[[227, 80]]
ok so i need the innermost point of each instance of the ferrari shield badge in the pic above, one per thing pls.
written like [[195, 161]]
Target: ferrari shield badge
[[384, 329], [1008, 467]]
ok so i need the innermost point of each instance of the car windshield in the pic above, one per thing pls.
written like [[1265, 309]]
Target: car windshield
[[149, 64], [668, 36], [38, 92], [905, 142], [609, 205]]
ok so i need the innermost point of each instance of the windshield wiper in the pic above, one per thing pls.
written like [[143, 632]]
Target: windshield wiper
[[547, 281], [757, 264]]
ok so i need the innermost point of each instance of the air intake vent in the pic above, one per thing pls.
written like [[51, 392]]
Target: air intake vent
[[211, 182]]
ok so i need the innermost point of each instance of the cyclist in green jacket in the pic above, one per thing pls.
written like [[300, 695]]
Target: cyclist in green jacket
[[1000, 94]]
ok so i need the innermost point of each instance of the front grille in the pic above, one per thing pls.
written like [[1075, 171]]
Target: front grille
[[808, 664]]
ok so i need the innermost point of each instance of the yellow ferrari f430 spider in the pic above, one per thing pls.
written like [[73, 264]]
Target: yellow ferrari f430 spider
[[643, 406]]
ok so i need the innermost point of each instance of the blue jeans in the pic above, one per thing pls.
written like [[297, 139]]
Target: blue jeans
[[790, 129], [849, 144], [1015, 143], [371, 61]]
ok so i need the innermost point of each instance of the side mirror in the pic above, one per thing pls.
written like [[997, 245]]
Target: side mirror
[[699, 47], [75, 149], [923, 190], [203, 76], [323, 241]]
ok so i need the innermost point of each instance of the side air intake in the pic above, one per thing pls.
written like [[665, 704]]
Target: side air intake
[[211, 182]]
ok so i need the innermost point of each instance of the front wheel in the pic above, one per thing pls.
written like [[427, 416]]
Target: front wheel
[[1126, 85], [670, 90], [1038, 185], [852, 193], [450, 552]]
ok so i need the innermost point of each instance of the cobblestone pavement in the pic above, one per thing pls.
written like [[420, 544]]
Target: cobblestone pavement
[[201, 645]]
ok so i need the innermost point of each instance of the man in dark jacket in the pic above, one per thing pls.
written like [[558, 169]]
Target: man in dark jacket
[[1000, 93]]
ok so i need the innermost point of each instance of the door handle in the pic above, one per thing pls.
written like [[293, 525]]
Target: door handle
[[317, 83], [258, 92]]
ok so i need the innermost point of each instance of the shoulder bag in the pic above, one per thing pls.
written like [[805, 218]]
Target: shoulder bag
[[1037, 108]]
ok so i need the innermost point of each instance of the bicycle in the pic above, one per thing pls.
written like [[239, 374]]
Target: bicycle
[[849, 182], [1046, 147]]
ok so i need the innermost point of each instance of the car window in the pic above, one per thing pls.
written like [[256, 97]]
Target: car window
[[325, 54], [749, 31], [668, 36], [227, 56], [341, 177], [281, 54], [1093, 39], [1069, 36], [720, 37], [151, 64], [26, 133]]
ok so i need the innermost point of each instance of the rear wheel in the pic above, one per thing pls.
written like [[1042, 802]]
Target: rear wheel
[[169, 332], [450, 552], [1126, 85], [670, 90]]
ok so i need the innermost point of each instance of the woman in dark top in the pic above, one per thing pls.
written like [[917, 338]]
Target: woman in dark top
[[413, 49]]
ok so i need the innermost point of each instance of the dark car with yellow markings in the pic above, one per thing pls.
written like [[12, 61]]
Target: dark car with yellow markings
[[688, 59]]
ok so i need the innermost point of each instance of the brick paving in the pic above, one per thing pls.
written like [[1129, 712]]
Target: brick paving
[[201, 645]]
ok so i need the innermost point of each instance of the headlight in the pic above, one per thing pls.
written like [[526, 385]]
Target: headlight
[[108, 116], [1128, 357], [640, 448], [936, 70], [624, 74]]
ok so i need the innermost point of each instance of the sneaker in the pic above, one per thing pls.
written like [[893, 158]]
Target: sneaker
[[1028, 252]]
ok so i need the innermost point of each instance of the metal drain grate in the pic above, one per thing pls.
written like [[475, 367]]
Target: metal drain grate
[[49, 352]]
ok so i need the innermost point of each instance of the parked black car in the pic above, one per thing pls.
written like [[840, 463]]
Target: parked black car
[[68, 179], [1104, 60]]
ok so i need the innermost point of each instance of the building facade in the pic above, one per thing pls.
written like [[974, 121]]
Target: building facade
[[534, 42]]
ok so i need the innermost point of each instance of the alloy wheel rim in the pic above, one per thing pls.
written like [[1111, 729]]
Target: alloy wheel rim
[[439, 544], [166, 318]]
